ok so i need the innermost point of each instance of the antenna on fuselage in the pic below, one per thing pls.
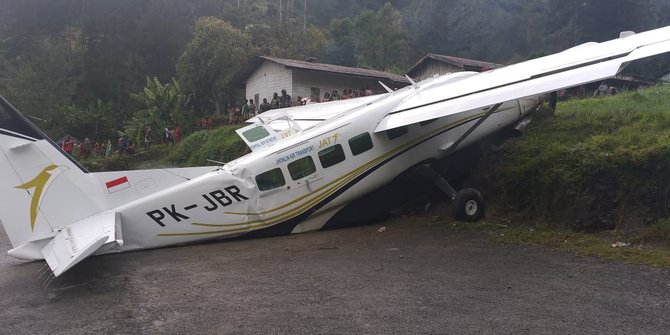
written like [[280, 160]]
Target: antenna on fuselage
[[412, 82], [217, 162], [388, 89]]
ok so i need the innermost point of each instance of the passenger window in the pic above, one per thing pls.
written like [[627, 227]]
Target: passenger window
[[360, 143], [396, 132], [331, 156], [270, 179], [303, 167], [255, 134]]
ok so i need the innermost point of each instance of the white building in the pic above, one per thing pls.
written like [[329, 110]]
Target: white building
[[309, 79], [665, 77], [432, 64]]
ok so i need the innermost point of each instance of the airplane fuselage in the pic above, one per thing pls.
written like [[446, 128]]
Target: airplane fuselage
[[299, 184]]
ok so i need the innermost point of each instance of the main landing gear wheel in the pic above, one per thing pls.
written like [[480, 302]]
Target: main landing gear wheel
[[468, 205]]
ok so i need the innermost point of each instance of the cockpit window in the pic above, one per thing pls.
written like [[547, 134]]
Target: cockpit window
[[270, 179], [255, 134]]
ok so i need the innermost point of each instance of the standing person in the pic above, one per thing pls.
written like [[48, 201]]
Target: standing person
[[87, 147], [68, 145], [121, 144], [177, 134], [96, 149], [265, 106], [245, 110], [208, 122], [167, 136], [284, 99], [231, 115], [326, 97], [108, 149], [334, 95], [252, 108], [601, 91], [82, 150], [274, 103], [148, 137]]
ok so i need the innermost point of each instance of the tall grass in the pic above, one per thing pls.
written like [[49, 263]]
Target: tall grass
[[616, 148]]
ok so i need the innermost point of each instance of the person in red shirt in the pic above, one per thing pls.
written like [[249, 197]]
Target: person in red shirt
[[68, 145], [177, 134]]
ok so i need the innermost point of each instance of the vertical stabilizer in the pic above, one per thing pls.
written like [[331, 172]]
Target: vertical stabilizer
[[42, 189]]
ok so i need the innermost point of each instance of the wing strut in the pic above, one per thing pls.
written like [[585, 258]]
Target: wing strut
[[451, 147]]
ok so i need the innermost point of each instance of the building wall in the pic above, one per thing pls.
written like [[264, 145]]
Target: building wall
[[666, 77], [430, 67], [269, 78], [272, 77], [304, 81]]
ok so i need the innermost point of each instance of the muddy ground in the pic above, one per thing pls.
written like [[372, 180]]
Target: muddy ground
[[416, 277]]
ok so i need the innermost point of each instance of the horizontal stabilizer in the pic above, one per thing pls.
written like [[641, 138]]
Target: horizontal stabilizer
[[75, 242]]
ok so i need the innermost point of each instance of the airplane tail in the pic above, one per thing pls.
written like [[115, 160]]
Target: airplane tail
[[46, 197]]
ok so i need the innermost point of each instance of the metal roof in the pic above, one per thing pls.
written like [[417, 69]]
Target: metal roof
[[338, 69], [456, 61]]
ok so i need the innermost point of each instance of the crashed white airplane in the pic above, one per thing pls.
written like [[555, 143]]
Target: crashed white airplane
[[307, 164]]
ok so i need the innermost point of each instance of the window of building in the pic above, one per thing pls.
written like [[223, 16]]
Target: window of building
[[331, 155], [360, 143], [270, 179], [315, 94], [396, 132], [301, 168]]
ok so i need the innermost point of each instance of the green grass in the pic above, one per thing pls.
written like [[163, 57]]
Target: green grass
[[620, 142], [220, 144]]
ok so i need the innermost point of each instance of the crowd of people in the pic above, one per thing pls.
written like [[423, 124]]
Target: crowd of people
[[124, 145], [86, 148], [170, 136], [251, 108]]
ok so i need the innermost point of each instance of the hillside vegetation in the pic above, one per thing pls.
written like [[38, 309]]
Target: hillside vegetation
[[595, 164], [220, 144]]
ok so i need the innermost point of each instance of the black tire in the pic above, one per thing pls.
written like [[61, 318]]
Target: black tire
[[468, 205]]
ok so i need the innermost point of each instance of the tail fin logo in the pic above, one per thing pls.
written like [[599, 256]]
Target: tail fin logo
[[39, 183]]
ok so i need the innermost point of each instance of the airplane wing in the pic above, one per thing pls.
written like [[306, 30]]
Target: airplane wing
[[312, 114], [576, 66]]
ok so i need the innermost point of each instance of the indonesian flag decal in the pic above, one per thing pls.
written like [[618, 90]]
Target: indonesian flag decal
[[117, 184]]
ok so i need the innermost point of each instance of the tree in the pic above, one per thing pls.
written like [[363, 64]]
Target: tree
[[342, 47], [212, 59], [381, 42], [295, 43], [96, 120], [162, 105], [43, 83]]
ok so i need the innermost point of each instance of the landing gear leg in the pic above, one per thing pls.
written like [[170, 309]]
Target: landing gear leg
[[468, 204]]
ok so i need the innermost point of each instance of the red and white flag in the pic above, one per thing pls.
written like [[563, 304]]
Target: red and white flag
[[117, 184]]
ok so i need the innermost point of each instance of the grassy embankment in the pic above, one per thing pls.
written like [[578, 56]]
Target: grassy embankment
[[598, 165], [221, 144]]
